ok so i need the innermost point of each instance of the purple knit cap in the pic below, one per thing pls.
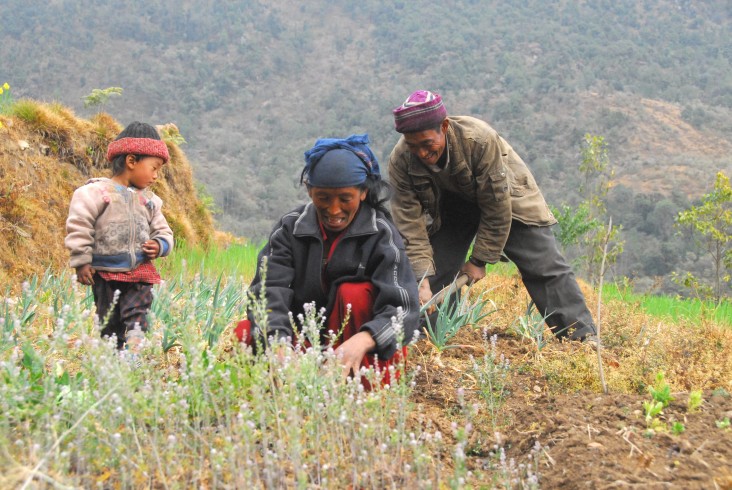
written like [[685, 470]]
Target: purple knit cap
[[422, 110]]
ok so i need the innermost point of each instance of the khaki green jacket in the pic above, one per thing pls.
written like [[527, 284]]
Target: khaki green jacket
[[484, 169]]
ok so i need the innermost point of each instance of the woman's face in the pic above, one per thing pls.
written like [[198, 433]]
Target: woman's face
[[336, 207]]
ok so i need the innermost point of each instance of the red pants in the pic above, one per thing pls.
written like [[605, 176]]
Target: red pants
[[360, 295]]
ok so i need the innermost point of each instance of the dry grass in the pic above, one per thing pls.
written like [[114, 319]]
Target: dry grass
[[636, 347]]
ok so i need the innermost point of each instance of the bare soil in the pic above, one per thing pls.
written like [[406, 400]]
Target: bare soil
[[588, 439]]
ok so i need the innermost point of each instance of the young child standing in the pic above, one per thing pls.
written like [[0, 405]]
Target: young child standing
[[115, 229]]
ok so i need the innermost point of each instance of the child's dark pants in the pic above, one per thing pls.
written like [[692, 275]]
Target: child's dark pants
[[134, 302]]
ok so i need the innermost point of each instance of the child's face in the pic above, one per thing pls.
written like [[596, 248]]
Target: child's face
[[144, 172]]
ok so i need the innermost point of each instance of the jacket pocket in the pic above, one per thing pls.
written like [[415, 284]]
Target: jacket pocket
[[426, 195], [520, 187], [499, 184]]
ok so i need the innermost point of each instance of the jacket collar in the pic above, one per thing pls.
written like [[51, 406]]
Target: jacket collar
[[363, 224]]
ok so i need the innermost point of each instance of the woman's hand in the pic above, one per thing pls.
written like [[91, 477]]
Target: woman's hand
[[85, 274], [151, 249], [351, 352]]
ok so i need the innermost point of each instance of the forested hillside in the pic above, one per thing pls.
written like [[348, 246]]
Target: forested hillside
[[251, 85]]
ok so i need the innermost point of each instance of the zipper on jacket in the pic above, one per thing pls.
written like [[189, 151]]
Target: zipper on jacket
[[133, 256]]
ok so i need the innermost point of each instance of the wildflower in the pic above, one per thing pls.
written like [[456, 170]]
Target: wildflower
[[459, 451], [6, 86]]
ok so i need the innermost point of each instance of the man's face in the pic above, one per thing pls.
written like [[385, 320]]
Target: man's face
[[428, 145]]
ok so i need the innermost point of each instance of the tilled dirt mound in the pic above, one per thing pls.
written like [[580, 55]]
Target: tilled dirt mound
[[587, 439]]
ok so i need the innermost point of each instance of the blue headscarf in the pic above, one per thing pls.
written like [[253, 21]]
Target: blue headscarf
[[336, 162]]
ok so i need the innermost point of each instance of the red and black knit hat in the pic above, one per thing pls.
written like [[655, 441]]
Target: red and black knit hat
[[138, 139], [138, 146], [421, 111]]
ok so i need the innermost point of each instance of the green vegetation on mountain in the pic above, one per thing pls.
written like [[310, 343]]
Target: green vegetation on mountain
[[252, 84]]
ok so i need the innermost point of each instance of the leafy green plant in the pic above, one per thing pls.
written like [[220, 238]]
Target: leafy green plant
[[583, 226], [26, 110], [695, 400], [724, 423], [711, 223], [661, 391], [573, 223], [721, 392], [99, 97], [661, 396], [677, 428], [210, 304], [531, 326], [652, 409], [171, 134], [169, 340], [207, 200], [452, 315]]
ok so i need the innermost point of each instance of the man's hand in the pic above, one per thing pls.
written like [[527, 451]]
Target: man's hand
[[473, 272], [85, 274], [151, 249], [350, 353], [425, 294]]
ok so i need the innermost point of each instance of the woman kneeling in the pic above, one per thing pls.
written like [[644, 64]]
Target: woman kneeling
[[339, 249]]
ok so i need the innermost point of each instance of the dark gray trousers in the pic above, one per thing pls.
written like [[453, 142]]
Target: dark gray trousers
[[548, 278], [131, 308]]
